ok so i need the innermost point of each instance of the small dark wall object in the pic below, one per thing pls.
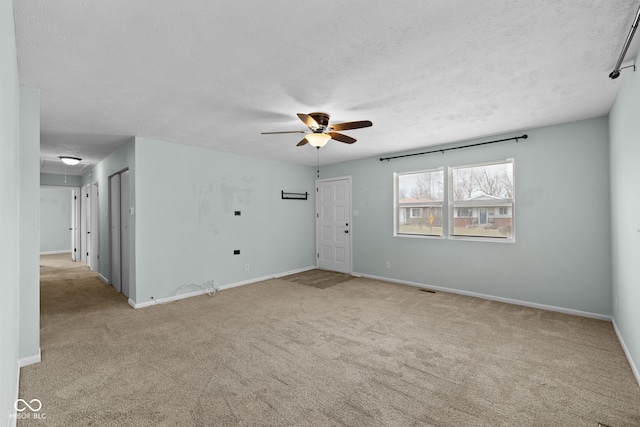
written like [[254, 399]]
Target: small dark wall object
[[237, 213], [236, 251]]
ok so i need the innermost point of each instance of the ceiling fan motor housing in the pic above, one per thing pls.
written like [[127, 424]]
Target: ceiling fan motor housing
[[322, 119]]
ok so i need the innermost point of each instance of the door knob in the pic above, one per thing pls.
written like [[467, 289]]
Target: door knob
[[346, 231]]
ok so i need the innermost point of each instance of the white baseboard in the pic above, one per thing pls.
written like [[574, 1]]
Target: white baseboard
[[290, 272], [104, 279], [12, 415], [30, 360], [220, 288], [493, 298], [55, 252], [634, 368]]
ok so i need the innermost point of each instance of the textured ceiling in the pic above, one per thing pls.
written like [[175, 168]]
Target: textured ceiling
[[217, 73]]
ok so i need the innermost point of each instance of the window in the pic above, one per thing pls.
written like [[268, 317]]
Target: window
[[475, 193], [419, 197]]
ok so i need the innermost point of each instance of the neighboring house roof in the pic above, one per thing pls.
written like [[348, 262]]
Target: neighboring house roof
[[483, 200], [413, 202], [485, 197]]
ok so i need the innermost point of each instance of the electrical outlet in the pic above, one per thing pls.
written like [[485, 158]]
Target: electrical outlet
[[388, 265], [246, 266]]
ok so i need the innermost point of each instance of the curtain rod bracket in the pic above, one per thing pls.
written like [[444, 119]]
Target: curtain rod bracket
[[616, 74], [616, 70]]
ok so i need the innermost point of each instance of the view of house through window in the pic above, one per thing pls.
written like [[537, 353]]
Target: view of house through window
[[482, 200], [420, 196]]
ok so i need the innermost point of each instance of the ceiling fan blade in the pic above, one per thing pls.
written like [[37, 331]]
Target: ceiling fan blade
[[286, 131], [308, 120], [351, 125], [342, 138], [301, 143]]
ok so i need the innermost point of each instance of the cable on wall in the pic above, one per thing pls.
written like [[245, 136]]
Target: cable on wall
[[210, 288], [442, 150], [616, 70]]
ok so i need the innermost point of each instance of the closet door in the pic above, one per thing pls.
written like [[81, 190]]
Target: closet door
[[125, 216], [114, 232]]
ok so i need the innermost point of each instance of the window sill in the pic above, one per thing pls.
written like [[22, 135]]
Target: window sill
[[484, 239]]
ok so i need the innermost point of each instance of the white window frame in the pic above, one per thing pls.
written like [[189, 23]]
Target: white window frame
[[452, 209], [441, 206]]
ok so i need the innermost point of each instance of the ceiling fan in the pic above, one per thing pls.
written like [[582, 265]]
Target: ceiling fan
[[322, 131]]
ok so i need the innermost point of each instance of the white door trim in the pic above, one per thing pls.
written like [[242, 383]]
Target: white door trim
[[85, 223], [94, 250], [349, 218], [114, 232]]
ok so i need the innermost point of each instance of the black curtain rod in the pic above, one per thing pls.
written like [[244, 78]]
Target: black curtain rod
[[616, 70], [442, 150]]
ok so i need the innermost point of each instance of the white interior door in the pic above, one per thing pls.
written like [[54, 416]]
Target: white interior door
[[124, 232], [86, 190], [84, 224], [333, 224], [75, 224], [114, 222]]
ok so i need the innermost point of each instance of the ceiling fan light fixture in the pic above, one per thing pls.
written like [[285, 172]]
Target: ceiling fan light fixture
[[71, 161], [318, 139]]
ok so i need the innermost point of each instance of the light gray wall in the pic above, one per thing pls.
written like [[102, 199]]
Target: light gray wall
[[60, 180], [561, 254], [9, 213], [121, 159], [55, 219], [29, 225], [186, 230], [625, 207]]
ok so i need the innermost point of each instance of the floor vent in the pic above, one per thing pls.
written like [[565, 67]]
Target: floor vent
[[433, 292]]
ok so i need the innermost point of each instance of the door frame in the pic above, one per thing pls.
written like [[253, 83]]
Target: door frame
[[75, 223], [119, 257], [115, 271], [125, 235], [347, 178], [94, 250], [85, 223]]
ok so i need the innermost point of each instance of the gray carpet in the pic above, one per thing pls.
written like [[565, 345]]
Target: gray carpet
[[358, 353]]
